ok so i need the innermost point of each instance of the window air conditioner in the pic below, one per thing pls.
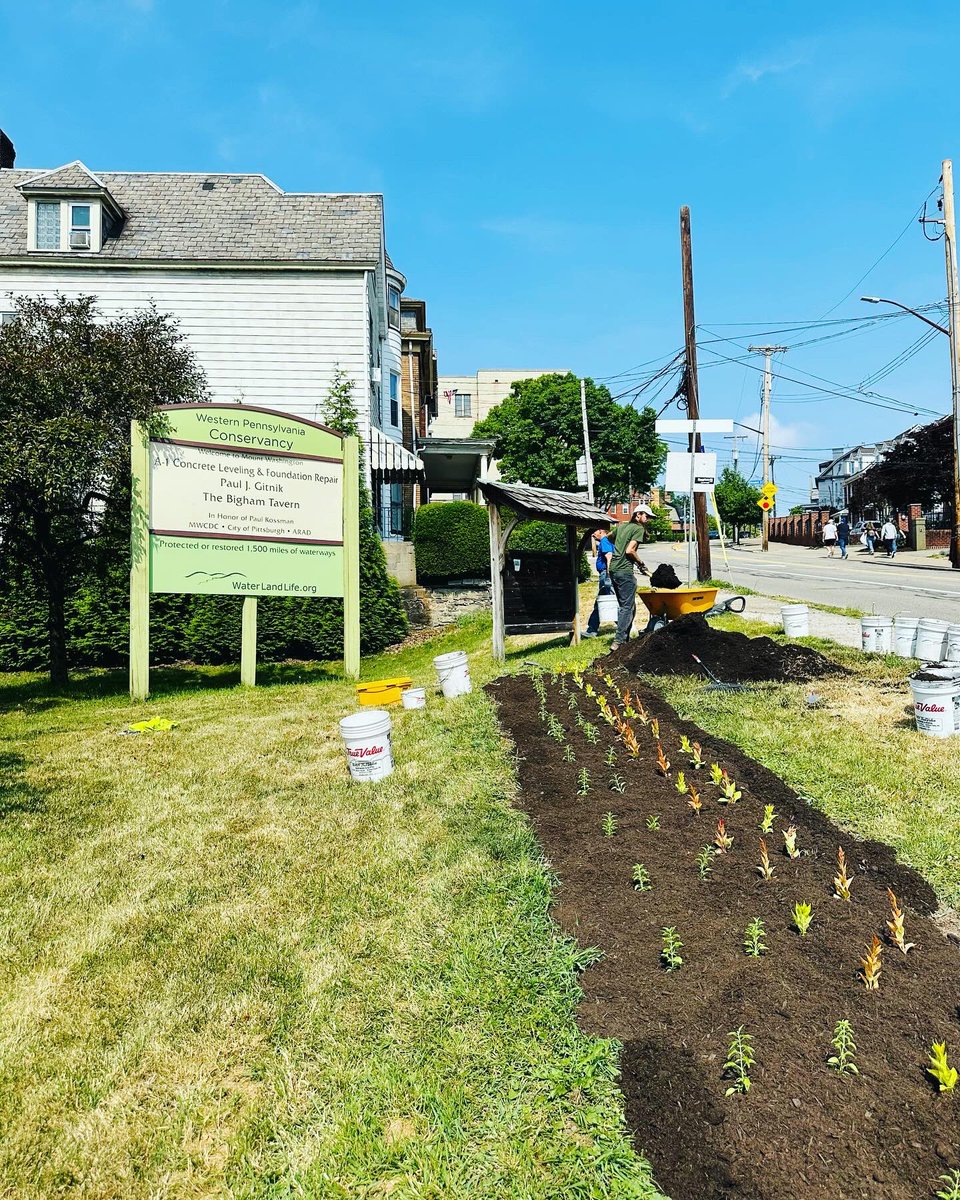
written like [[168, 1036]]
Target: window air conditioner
[[80, 239]]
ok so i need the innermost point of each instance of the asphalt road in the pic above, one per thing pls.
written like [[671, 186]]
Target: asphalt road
[[918, 584]]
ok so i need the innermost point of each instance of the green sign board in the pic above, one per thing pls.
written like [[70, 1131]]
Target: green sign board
[[242, 501]]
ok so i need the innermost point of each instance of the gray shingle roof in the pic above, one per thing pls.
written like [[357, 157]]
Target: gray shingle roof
[[544, 504], [219, 218]]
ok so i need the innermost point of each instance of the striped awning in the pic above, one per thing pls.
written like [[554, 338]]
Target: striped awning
[[389, 458]]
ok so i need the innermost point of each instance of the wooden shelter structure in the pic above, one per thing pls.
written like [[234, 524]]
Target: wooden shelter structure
[[508, 503]]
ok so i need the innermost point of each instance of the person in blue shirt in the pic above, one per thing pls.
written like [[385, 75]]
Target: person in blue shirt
[[603, 548]]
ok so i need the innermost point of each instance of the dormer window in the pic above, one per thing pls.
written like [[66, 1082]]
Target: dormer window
[[64, 226], [79, 226], [69, 211], [48, 224]]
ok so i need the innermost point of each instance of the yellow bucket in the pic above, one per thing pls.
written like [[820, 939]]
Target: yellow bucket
[[677, 602], [382, 691]]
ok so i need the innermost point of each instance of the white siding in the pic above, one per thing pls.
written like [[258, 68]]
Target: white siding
[[270, 338]]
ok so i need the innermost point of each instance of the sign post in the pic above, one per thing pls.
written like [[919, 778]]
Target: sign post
[[235, 500]]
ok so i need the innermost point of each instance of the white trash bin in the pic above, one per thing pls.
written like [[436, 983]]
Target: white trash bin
[[366, 738], [453, 673], [796, 620]]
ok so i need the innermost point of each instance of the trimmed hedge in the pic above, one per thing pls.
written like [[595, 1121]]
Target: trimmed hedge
[[201, 629], [451, 540]]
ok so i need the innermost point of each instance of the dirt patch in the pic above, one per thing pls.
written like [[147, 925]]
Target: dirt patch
[[733, 657], [802, 1131]]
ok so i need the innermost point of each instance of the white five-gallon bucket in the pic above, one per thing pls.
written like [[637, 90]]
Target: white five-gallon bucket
[[932, 640], [608, 609], [796, 620], [453, 673], [905, 636], [953, 644], [877, 634], [936, 705], [414, 698], [366, 737]]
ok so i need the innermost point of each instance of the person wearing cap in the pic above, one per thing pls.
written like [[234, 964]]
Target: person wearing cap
[[627, 540]]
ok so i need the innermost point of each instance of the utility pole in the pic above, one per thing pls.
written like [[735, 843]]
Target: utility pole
[[693, 397], [736, 438], [767, 352], [586, 438], [953, 325]]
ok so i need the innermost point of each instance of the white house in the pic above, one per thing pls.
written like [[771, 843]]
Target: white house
[[273, 290]]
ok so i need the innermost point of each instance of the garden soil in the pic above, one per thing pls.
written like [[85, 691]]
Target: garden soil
[[802, 1132], [732, 657]]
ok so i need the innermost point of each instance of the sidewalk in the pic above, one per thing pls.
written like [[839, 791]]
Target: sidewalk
[[845, 630]]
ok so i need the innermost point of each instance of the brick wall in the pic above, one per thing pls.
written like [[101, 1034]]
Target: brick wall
[[803, 529]]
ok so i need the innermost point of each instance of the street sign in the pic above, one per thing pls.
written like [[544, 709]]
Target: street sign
[[765, 503], [698, 426], [769, 489], [582, 476], [677, 478]]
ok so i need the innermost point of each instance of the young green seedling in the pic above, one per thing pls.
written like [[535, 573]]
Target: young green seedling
[[670, 954], [681, 783], [556, 730], [618, 784], [753, 942], [790, 841], [653, 821], [766, 825], [952, 1190], [583, 782], [572, 703], [609, 824], [802, 916], [846, 1049], [591, 733], [765, 866], [705, 861], [686, 746], [568, 754], [641, 879], [945, 1075], [716, 774], [655, 729], [610, 758], [739, 1061]]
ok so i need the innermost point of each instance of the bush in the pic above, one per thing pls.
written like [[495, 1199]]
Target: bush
[[451, 541]]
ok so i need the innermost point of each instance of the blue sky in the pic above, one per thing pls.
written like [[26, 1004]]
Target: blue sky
[[534, 156]]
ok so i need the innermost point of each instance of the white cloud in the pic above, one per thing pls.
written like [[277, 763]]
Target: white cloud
[[784, 435], [753, 72]]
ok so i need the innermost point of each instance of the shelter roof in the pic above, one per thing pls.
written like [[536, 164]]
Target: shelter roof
[[542, 504]]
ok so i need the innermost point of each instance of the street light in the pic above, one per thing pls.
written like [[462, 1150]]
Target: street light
[[955, 533]]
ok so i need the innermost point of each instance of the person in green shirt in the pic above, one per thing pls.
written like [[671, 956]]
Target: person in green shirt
[[627, 539]]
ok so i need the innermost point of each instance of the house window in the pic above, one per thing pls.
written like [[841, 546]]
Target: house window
[[461, 404], [393, 307], [624, 508], [396, 508], [7, 318], [394, 398], [79, 226], [48, 224]]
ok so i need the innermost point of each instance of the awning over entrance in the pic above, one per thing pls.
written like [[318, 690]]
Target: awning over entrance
[[390, 461], [455, 464]]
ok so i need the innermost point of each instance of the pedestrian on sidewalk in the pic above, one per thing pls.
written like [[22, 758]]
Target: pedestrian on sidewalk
[[627, 540], [843, 534], [829, 536], [888, 535], [870, 536], [602, 551]]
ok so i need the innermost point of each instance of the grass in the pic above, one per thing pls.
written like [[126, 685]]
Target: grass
[[228, 972], [856, 755]]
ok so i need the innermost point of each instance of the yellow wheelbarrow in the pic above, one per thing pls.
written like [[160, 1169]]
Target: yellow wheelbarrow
[[667, 604]]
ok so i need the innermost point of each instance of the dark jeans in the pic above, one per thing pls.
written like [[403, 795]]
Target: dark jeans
[[625, 587], [605, 589], [842, 543]]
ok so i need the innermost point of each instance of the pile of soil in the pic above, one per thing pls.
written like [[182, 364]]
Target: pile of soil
[[802, 1130], [732, 657]]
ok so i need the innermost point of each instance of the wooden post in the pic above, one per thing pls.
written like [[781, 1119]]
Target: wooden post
[[248, 642], [496, 582], [693, 393], [351, 557], [573, 548], [139, 563]]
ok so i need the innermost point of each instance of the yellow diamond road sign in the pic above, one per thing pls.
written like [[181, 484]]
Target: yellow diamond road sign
[[769, 489]]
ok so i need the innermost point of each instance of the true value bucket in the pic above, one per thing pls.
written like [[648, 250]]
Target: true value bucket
[[453, 673], [366, 738], [932, 639], [905, 636], [936, 704], [796, 620], [607, 608], [953, 644], [415, 698], [877, 634]]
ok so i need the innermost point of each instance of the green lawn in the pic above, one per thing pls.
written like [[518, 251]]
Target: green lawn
[[857, 755], [228, 972]]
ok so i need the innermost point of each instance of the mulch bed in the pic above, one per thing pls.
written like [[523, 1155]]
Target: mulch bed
[[802, 1132], [733, 657]]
